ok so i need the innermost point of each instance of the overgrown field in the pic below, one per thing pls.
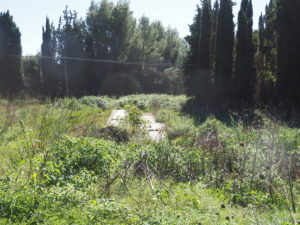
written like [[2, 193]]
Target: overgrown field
[[61, 164]]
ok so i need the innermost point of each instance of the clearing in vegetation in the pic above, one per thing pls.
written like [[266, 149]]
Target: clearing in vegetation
[[61, 163]]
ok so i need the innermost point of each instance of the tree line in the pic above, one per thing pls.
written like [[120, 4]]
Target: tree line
[[224, 65], [89, 56], [235, 67]]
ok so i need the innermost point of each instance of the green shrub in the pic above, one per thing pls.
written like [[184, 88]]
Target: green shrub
[[165, 116], [180, 164], [112, 133], [134, 116], [101, 102], [17, 203], [68, 103], [180, 127], [70, 156]]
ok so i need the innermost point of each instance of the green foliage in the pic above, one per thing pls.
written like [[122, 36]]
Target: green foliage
[[112, 133], [245, 75], [55, 172], [109, 32], [205, 54], [150, 102], [17, 203], [10, 56], [70, 157], [180, 128], [199, 60], [288, 45], [190, 68], [32, 76], [224, 53], [48, 48], [75, 57], [134, 116], [244, 160], [101, 102]]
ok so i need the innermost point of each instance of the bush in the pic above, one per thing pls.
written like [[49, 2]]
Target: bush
[[177, 126], [71, 156], [134, 116], [112, 133], [16, 203], [101, 102], [153, 101], [68, 103]]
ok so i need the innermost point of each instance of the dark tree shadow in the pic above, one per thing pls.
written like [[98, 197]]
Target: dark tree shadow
[[248, 116]]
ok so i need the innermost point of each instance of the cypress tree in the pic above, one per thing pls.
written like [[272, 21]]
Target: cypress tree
[[224, 53], [206, 36], [191, 63], [265, 77], [288, 54], [266, 64], [48, 49], [270, 36], [260, 60], [245, 72], [10, 56], [215, 12], [261, 29], [205, 56]]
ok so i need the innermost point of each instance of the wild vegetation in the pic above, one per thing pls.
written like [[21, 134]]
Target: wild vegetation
[[58, 167], [231, 149]]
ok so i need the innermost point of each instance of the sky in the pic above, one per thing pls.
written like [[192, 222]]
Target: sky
[[30, 15]]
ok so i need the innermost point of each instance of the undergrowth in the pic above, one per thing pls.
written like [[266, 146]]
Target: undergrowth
[[61, 164]]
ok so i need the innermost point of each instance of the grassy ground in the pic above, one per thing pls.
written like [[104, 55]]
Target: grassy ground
[[60, 165]]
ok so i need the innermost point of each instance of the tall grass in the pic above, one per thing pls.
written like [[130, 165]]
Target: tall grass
[[255, 165], [56, 168]]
